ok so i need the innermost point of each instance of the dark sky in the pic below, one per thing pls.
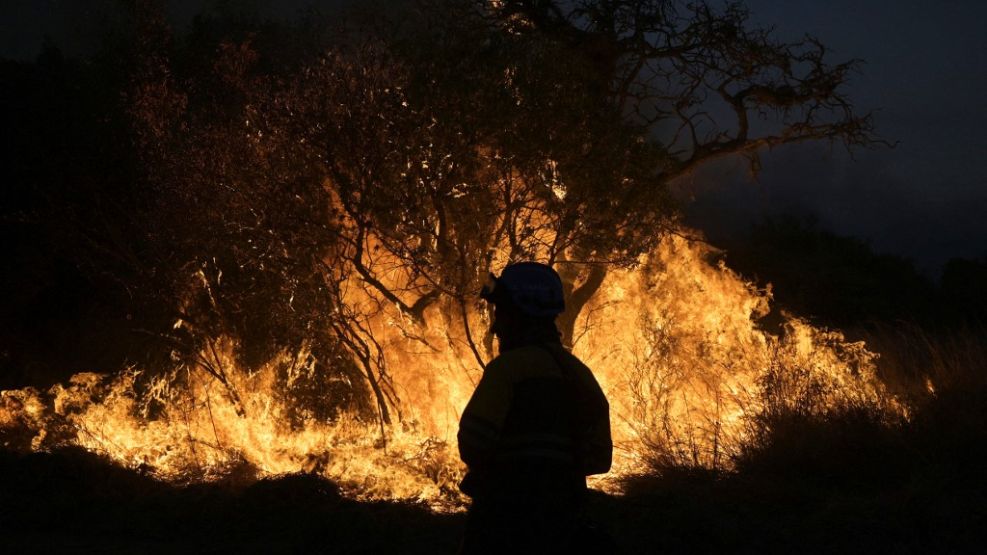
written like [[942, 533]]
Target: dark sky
[[925, 73]]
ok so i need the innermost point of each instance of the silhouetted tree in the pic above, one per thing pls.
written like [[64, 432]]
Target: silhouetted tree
[[410, 151], [541, 126], [698, 79]]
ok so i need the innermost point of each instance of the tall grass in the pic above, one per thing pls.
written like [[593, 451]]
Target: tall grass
[[941, 379], [937, 381]]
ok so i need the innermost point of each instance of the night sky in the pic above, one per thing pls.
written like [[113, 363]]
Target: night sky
[[925, 73]]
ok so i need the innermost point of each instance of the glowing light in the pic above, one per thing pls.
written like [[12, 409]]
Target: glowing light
[[675, 344]]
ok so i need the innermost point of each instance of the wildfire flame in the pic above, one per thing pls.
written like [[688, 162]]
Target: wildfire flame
[[675, 343]]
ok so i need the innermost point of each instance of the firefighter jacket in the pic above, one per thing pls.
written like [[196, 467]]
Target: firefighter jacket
[[537, 420]]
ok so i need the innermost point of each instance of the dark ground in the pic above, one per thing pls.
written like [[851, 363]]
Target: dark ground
[[72, 501]]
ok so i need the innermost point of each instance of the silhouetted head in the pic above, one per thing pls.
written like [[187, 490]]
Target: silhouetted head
[[526, 297]]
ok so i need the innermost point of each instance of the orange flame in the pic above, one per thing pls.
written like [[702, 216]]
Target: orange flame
[[674, 342]]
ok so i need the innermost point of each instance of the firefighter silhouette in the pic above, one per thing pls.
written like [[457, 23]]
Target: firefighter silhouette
[[536, 426]]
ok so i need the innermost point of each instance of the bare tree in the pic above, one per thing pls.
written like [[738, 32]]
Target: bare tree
[[411, 153], [699, 78]]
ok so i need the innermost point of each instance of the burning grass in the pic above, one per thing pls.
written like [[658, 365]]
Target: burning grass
[[675, 342]]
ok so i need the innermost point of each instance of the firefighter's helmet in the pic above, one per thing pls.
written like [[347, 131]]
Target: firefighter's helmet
[[535, 289]]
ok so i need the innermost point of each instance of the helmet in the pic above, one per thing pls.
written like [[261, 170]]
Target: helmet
[[535, 289]]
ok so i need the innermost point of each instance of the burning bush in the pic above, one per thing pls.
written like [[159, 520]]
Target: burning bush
[[315, 210], [675, 344]]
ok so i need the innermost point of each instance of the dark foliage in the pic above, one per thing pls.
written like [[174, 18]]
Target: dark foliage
[[834, 280], [963, 291], [72, 500], [840, 282], [67, 167]]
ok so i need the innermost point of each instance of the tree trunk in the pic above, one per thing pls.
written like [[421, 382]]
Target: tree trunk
[[577, 297]]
